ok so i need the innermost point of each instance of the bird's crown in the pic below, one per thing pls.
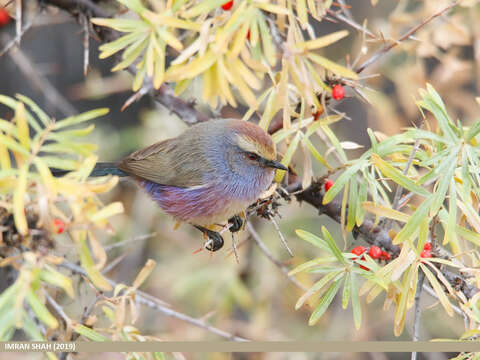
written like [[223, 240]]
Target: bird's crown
[[252, 138]]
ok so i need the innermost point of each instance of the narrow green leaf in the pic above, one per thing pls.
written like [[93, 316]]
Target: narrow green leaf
[[347, 289], [309, 264], [390, 172], [414, 223], [357, 309], [77, 119], [41, 310], [333, 246], [324, 303], [313, 239], [352, 203], [331, 275], [342, 180], [89, 333]]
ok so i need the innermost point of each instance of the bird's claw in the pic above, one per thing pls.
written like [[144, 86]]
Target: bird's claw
[[236, 222], [215, 241]]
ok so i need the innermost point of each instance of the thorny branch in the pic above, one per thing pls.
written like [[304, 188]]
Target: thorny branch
[[158, 305], [376, 56]]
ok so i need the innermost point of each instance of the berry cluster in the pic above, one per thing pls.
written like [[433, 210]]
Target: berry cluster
[[374, 252]]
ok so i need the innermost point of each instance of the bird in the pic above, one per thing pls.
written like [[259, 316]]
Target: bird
[[207, 175]]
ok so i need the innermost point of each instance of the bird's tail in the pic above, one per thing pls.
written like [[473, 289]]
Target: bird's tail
[[100, 169]]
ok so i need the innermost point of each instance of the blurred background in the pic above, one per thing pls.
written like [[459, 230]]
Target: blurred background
[[252, 298]]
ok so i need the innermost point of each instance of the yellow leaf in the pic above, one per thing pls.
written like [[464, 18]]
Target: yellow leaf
[[22, 125], [170, 39], [108, 211], [87, 262], [144, 273], [272, 8], [302, 13], [171, 21], [192, 69], [385, 211], [323, 41], [46, 175], [333, 67], [19, 202], [4, 157]]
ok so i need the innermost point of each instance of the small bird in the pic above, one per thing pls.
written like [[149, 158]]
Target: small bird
[[205, 176]]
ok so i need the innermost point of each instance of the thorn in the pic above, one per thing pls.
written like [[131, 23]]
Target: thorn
[[282, 238]]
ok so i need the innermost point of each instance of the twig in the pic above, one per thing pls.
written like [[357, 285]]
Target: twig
[[58, 309], [280, 235], [128, 241], [268, 254], [86, 45], [418, 310], [157, 304], [410, 32], [11, 43], [40, 82]]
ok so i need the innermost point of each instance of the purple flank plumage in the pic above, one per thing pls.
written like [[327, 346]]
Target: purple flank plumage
[[201, 205]]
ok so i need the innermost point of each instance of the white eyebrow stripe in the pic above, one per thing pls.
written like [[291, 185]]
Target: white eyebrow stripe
[[247, 145]]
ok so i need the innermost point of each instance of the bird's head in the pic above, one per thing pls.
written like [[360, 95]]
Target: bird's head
[[253, 150]]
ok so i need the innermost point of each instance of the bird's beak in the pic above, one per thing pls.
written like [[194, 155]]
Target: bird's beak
[[275, 164]]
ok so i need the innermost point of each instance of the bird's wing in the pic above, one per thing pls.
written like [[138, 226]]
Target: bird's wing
[[164, 164]]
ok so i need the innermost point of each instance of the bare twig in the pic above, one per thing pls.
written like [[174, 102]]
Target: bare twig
[[409, 33], [18, 22], [86, 44], [157, 304], [418, 310], [129, 241], [280, 235], [58, 309], [12, 42], [268, 254]]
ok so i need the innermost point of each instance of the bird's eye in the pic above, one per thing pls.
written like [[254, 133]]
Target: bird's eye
[[252, 156]]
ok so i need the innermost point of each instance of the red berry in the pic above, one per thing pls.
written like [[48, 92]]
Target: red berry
[[248, 35], [59, 226], [375, 252], [4, 17], [338, 92], [228, 5], [358, 250], [328, 185], [427, 246], [426, 254], [385, 256]]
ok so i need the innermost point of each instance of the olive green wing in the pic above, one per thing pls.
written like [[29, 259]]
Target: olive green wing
[[164, 163]]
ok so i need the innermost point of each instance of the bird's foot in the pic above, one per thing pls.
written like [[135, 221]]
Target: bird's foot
[[237, 223], [215, 239]]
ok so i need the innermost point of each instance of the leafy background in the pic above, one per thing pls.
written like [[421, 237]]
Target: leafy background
[[252, 297]]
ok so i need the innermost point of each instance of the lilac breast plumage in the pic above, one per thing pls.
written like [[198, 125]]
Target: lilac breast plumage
[[205, 205]]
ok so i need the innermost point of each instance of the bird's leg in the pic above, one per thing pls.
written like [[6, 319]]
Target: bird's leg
[[234, 246], [215, 241], [237, 223]]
